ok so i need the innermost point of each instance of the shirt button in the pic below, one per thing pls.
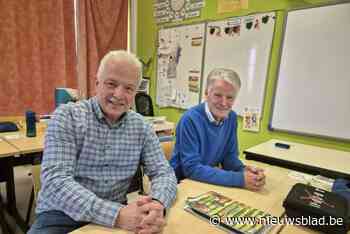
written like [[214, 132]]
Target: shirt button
[[106, 165]]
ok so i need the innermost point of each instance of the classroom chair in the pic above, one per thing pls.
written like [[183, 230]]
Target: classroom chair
[[143, 104], [35, 173], [167, 147]]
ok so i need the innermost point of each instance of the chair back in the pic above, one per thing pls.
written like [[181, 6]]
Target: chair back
[[36, 169], [143, 104], [167, 147]]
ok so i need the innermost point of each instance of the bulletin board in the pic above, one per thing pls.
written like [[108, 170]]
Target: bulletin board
[[242, 44], [179, 65], [313, 88]]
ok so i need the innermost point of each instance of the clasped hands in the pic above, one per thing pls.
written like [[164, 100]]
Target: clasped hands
[[143, 216], [254, 178]]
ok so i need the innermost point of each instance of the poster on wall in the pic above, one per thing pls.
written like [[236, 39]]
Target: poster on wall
[[179, 65], [176, 10]]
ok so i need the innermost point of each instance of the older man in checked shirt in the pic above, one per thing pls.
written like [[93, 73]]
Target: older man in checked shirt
[[93, 149]]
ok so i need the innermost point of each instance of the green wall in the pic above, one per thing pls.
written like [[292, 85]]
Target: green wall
[[146, 50]]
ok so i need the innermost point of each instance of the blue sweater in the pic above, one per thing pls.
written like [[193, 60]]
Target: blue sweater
[[201, 146]]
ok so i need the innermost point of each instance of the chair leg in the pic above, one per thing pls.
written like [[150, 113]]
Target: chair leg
[[30, 206], [3, 224]]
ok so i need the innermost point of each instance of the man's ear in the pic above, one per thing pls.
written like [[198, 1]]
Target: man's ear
[[206, 93]]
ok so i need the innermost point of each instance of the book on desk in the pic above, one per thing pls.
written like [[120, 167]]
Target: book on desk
[[232, 216]]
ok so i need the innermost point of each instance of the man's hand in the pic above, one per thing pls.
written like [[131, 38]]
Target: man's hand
[[144, 216], [254, 178], [154, 221], [130, 216]]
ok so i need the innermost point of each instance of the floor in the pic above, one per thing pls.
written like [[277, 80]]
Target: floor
[[23, 184]]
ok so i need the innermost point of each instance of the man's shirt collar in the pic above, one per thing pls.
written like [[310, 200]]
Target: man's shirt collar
[[210, 115]]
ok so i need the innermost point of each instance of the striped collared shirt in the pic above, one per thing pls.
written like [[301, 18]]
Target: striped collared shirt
[[88, 164]]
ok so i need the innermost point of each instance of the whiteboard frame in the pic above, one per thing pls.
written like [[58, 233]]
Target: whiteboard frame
[[270, 127]]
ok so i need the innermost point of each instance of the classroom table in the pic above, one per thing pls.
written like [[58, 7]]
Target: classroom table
[[306, 158], [270, 199], [165, 128], [6, 149], [7, 159], [6, 154], [28, 150]]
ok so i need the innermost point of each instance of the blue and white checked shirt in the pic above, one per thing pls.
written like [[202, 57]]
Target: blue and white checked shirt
[[88, 165]]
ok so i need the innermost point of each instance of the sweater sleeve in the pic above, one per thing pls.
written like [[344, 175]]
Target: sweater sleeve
[[231, 160], [188, 143]]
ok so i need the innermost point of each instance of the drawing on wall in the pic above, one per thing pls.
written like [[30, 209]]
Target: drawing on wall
[[251, 119], [225, 6], [179, 65], [176, 10], [242, 44]]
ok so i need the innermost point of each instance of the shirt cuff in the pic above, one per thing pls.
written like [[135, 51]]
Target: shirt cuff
[[164, 210], [106, 212]]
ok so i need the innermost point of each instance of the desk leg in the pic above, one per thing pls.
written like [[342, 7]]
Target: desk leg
[[11, 194], [10, 188]]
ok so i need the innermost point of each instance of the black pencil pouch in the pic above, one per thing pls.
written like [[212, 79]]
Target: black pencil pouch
[[8, 127], [317, 209]]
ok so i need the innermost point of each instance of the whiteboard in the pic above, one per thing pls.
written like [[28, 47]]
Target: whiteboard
[[242, 44], [313, 88], [179, 65]]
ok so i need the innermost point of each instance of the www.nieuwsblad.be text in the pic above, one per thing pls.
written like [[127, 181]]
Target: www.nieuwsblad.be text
[[270, 220]]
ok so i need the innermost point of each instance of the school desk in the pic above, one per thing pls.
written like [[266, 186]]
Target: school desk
[[179, 221], [306, 158]]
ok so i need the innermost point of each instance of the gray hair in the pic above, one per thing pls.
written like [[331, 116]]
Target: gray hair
[[119, 56], [225, 74]]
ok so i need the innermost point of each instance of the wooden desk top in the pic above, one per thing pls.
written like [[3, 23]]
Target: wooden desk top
[[26, 144], [179, 221], [164, 126], [314, 156], [6, 149]]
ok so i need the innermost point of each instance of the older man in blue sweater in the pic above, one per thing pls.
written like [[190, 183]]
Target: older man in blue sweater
[[206, 138]]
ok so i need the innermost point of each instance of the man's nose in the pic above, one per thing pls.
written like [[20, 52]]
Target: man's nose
[[225, 101], [118, 91]]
